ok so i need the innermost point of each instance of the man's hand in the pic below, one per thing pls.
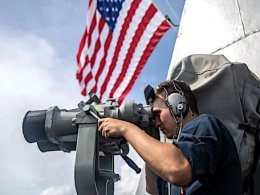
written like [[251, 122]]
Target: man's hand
[[110, 127]]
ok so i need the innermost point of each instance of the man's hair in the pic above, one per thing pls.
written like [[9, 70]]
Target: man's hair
[[174, 86]]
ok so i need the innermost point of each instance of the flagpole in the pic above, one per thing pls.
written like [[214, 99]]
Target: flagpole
[[167, 17], [170, 21]]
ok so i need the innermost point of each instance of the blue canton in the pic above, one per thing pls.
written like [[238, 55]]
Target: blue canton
[[109, 9]]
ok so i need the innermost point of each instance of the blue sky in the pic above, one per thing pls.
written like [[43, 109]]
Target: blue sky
[[39, 41]]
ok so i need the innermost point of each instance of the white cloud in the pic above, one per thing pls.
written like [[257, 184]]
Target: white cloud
[[31, 77], [30, 68], [60, 190]]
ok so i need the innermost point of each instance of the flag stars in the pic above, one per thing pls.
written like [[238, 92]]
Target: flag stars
[[109, 9], [93, 52]]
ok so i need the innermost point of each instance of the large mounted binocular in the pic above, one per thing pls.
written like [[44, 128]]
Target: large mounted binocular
[[76, 130]]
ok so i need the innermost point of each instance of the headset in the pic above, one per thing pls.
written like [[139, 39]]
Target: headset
[[177, 103]]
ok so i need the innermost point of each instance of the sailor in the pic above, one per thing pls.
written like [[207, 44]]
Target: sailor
[[202, 158]]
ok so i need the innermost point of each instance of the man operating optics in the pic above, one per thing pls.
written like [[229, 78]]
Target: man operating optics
[[202, 159]]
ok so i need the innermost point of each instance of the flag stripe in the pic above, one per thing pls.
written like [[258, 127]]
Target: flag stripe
[[81, 46], [103, 60], [128, 19], [153, 42], [101, 39], [111, 50], [92, 28], [143, 24], [133, 26], [90, 1], [94, 53], [86, 80], [84, 71], [93, 47], [144, 40], [83, 53], [98, 43]]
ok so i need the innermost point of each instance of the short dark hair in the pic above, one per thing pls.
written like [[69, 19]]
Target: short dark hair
[[172, 86]]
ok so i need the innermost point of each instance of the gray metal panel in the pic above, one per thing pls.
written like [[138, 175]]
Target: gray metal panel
[[229, 27], [220, 26], [206, 26], [246, 50], [250, 13]]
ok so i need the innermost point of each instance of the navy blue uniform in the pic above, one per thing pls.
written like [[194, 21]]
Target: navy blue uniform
[[212, 154]]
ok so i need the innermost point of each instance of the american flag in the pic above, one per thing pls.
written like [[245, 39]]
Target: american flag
[[119, 37]]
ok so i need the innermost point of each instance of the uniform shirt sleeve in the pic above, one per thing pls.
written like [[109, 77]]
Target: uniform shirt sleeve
[[199, 143]]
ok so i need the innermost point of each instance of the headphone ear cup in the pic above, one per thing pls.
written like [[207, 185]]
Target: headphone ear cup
[[178, 105]]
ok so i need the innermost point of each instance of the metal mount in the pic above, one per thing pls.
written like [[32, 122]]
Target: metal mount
[[94, 170]]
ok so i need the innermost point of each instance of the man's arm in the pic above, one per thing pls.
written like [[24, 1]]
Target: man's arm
[[165, 159]]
